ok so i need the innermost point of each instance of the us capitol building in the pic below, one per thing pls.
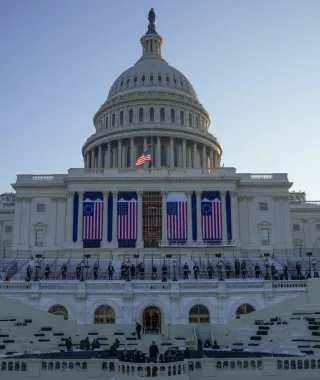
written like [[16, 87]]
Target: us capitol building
[[180, 244]]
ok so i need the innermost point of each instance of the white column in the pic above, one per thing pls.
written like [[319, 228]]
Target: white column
[[234, 216], [158, 152], [69, 217], [171, 152], [189, 216], [195, 156], [119, 154], [251, 220], [61, 221], [80, 215], [105, 219], [184, 154], [54, 201], [211, 159], [92, 158], [224, 217], [164, 216], [132, 153], [108, 155], [145, 147], [99, 164], [204, 157], [199, 219], [114, 157], [17, 223], [190, 158], [140, 221], [25, 222], [114, 218]]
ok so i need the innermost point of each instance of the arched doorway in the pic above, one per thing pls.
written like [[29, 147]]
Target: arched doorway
[[104, 314], [244, 309], [151, 319], [59, 310], [199, 314]]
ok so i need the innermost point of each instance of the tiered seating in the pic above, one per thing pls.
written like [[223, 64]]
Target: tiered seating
[[292, 326], [23, 328]]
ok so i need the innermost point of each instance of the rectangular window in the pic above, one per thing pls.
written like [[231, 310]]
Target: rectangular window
[[39, 237], [41, 207], [8, 229], [263, 206], [296, 227], [265, 238]]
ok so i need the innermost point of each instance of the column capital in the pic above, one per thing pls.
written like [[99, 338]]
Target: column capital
[[114, 193], [18, 199], [223, 193], [54, 199], [70, 194], [62, 199], [164, 193], [27, 199], [139, 192], [105, 193], [233, 193], [198, 193], [189, 193]]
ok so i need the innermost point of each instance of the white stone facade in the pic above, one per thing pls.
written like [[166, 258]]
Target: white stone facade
[[152, 105]]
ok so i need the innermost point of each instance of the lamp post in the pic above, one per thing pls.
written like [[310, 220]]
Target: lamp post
[[168, 256], [87, 257], [309, 254], [218, 255], [136, 256], [82, 265], [174, 270], [38, 266]]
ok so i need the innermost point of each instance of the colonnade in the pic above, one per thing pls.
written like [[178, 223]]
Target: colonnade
[[164, 238], [165, 151]]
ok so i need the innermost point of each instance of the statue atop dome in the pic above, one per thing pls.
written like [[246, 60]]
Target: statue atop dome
[[152, 16], [152, 19]]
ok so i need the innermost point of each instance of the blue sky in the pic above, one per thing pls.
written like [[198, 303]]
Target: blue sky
[[254, 65]]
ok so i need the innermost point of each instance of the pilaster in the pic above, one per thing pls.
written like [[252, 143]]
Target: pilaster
[[224, 217], [114, 219], [189, 218], [234, 216], [80, 218], [69, 217], [104, 241]]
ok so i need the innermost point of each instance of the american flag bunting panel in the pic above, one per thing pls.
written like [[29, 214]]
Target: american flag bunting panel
[[127, 216], [177, 216], [211, 215], [92, 221]]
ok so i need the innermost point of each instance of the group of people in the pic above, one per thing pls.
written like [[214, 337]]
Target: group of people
[[84, 345], [222, 270]]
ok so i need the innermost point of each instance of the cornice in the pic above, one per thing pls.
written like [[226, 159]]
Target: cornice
[[164, 130]]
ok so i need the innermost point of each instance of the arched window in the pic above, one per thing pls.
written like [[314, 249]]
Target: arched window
[[199, 314], [317, 243], [175, 157], [151, 114], [59, 310], [163, 155], [113, 120], [244, 309], [104, 314], [162, 115], [190, 119], [121, 117], [197, 121], [181, 117], [107, 122], [131, 116], [173, 116], [128, 156], [140, 114]]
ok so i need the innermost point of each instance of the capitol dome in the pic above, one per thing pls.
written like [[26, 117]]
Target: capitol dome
[[152, 106]]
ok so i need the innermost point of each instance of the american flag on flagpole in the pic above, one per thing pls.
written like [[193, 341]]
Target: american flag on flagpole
[[211, 213], [177, 216], [127, 215], [146, 156], [92, 220]]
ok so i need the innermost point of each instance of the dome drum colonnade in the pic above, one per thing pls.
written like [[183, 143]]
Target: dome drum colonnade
[[152, 105]]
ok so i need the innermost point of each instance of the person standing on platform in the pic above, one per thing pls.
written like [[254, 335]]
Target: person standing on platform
[[185, 270], [47, 272], [210, 271], [138, 330], [95, 271]]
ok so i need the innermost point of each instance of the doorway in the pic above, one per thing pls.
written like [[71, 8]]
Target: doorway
[[151, 319]]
